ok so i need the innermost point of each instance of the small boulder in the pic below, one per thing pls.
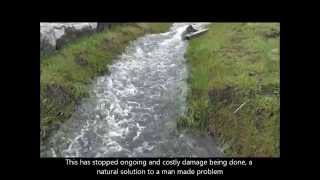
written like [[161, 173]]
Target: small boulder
[[190, 29]]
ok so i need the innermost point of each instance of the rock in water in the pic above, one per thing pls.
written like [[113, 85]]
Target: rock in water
[[194, 34], [191, 29]]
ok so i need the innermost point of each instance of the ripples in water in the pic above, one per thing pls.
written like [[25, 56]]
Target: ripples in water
[[132, 111]]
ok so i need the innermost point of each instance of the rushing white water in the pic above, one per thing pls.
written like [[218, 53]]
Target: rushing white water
[[132, 111]]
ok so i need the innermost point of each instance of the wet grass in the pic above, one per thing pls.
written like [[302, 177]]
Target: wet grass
[[236, 65], [66, 74]]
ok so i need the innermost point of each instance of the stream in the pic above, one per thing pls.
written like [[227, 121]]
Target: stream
[[132, 111]]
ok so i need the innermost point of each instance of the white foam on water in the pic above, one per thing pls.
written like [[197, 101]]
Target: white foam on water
[[53, 152], [143, 148], [138, 94], [177, 36]]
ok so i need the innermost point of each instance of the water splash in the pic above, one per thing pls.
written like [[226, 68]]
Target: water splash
[[132, 112]]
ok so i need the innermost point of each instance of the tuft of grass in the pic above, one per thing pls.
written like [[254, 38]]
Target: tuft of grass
[[233, 64], [66, 74]]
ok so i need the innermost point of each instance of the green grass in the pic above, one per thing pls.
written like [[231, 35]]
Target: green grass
[[231, 64], [66, 74]]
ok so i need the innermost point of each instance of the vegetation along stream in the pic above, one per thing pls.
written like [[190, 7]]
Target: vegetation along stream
[[132, 110]]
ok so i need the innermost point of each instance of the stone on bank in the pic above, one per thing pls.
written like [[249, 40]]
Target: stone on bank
[[54, 36]]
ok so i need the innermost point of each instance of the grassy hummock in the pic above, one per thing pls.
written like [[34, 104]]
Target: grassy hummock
[[66, 74], [235, 89]]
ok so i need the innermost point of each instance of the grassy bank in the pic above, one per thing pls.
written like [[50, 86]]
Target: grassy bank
[[234, 81], [65, 75]]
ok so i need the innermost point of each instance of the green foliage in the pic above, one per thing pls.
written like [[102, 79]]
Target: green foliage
[[231, 64]]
